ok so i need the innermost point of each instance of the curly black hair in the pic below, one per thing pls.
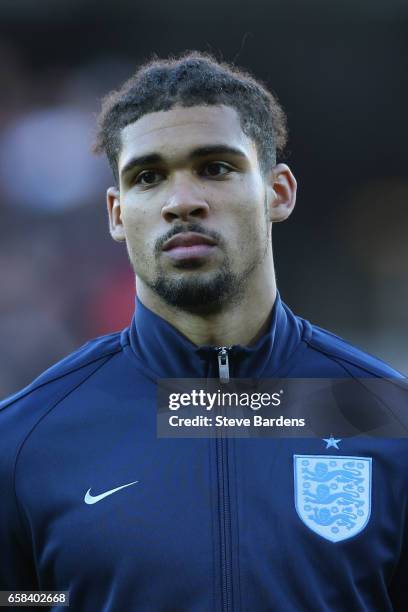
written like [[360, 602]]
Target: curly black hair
[[193, 78]]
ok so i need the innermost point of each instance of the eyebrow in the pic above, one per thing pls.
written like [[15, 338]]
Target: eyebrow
[[155, 158]]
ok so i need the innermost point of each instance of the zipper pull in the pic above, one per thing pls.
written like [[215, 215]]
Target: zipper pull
[[223, 364]]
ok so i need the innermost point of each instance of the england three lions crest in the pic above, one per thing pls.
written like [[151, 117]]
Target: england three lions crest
[[333, 494]]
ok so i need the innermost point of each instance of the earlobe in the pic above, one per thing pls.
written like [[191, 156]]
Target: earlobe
[[283, 198], [114, 212]]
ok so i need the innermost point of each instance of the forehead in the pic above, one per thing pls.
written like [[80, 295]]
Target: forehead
[[176, 132]]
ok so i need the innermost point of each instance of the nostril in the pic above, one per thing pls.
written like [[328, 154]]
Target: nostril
[[197, 212], [170, 216]]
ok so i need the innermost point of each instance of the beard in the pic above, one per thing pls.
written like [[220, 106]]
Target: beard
[[198, 291]]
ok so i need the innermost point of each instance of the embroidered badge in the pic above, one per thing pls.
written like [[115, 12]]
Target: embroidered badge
[[333, 494]]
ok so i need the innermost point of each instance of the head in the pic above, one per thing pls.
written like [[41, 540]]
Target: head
[[193, 147]]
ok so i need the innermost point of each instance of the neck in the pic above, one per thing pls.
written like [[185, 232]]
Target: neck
[[241, 323]]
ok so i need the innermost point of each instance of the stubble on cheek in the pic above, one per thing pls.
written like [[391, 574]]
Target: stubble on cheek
[[140, 254]]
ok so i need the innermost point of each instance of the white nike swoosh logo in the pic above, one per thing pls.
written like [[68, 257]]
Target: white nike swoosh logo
[[92, 499]]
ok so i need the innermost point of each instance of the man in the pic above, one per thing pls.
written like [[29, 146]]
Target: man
[[93, 502]]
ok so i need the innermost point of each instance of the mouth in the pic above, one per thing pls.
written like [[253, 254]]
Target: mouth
[[189, 246]]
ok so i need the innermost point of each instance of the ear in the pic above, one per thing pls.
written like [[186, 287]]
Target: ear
[[282, 193], [116, 228]]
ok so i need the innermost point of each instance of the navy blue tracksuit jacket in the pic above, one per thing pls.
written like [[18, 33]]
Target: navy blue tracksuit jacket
[[200, 525]]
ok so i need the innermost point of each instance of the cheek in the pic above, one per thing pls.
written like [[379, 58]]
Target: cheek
[[138, 230], [136, 222], [247, 198], [246, 216]]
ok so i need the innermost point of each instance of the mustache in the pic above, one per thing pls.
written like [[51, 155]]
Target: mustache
[[184, 229]]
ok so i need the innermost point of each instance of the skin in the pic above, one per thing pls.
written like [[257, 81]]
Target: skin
[[222, 195]]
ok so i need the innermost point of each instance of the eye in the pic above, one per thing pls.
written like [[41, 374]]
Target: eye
[[148, 177], [216, 169]]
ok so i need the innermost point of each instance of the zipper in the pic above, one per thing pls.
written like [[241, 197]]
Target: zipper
[[225, 524], [223, 363], [224, 502]]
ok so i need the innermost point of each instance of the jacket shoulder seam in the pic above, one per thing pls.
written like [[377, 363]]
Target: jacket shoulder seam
[[31, 389], [341, 360]]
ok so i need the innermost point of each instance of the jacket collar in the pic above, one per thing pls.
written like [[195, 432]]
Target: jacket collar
[[169, 354]]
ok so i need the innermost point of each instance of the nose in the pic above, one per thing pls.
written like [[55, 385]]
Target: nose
[[185, 200]]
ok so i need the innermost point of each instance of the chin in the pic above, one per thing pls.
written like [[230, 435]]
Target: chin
[[200, 293]]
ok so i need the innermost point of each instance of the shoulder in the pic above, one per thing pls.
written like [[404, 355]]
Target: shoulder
[[356, 379], [353, 361], [22, 409]]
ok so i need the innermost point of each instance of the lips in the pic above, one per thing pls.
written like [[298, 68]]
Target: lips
[[187, 240], [189, 246]]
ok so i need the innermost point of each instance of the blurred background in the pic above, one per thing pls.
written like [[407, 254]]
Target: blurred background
[[339, 69]]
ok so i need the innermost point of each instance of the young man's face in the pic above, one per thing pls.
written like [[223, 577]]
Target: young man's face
[[193, 206]]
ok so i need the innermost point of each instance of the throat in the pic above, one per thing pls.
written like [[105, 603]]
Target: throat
[[240, 323]]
